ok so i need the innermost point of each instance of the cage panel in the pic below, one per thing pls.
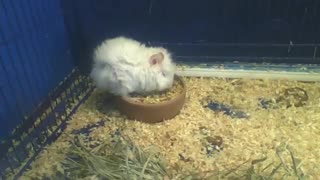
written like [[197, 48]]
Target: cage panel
[[34, 55]]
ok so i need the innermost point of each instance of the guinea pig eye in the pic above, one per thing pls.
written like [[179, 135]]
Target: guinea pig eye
[[102, 65]]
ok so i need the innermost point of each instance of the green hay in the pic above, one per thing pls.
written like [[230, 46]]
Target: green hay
[[124, 161], [282, 170]]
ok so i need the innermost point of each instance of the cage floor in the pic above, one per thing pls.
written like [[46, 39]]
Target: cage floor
[[181, 141]]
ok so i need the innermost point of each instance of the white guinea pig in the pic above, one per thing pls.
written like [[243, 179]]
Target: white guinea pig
[[123, 66]]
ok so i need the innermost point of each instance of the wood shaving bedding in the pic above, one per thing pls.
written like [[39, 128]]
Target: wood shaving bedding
[[180, 140]]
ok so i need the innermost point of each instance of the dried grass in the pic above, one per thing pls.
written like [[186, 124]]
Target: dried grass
[[118, 160]]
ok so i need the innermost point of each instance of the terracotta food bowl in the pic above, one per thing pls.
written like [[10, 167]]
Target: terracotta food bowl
[[153, 112]]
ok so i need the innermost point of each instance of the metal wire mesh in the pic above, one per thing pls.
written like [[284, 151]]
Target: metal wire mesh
[[34, 57], [44, 125]]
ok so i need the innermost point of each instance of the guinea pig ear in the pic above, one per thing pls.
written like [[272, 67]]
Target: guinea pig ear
[[156, 59]]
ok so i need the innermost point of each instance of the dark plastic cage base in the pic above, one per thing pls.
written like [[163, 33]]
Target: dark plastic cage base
[[44, 125]]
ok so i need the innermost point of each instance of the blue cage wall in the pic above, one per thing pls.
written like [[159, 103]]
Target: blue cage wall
[[34, 57], [41, 42]]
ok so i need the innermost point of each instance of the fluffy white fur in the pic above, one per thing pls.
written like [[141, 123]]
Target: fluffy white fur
[[121, 66]]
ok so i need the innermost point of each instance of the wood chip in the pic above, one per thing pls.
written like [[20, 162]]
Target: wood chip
[[243, 140]]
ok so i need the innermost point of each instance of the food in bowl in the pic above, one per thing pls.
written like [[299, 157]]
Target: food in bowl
[[157, 97]]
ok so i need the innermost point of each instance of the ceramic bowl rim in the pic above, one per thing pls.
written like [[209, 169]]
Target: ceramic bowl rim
[[164, 103]]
